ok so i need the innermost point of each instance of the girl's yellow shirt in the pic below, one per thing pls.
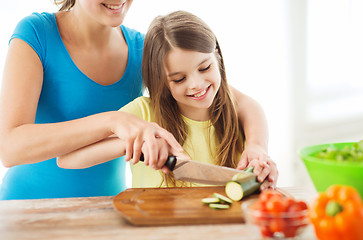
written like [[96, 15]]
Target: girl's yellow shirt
[[200, 144]]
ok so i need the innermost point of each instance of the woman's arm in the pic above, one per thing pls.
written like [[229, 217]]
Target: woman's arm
[[22, 141]]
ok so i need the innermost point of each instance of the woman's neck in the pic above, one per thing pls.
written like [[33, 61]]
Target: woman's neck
[[83, 31]]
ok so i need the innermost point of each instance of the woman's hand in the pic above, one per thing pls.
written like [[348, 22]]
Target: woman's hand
[[142, 136], [263, 166], [127, 136]]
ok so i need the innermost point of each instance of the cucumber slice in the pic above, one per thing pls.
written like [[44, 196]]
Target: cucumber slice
[[218, 206], [210, 200], [223, 199]]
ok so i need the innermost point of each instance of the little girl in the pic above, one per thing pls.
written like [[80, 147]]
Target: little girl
[[184, 73]]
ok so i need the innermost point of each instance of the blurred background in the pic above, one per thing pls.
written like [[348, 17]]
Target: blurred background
[[301, 60]]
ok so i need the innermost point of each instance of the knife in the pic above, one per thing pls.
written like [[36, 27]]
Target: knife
[[203, 173]]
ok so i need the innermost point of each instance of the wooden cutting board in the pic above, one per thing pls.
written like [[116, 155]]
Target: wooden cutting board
[[174, 206]]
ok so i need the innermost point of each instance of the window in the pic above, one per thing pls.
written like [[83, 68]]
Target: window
[[335, 60]]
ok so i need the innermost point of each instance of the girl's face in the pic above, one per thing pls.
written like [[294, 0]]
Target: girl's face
[[106, 12], [193, 79]]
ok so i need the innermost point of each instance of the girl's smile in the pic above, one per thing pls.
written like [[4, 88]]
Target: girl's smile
[[200, 95], [193, 79]]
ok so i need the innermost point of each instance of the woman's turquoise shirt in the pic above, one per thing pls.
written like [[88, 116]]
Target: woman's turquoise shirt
[[69, 94]]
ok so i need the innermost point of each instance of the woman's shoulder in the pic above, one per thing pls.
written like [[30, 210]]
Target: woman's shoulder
[[36, 19], [132, 32], [133, 35], [35, 24], [33, 29]]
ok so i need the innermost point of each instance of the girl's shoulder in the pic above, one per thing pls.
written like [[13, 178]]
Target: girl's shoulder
[[142, 102], [140, 107]]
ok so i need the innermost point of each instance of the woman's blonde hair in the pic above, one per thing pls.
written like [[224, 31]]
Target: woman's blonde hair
[[184, 30], [65, 5]]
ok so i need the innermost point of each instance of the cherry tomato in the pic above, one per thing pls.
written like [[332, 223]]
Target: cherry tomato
[[277, 213]]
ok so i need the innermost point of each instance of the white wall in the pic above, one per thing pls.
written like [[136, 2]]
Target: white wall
[[253, 37], [272, 52]]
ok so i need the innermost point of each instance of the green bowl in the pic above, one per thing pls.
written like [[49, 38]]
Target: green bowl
[[325, 173]]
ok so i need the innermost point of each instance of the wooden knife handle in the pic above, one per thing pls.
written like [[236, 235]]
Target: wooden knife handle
[[170, 162]]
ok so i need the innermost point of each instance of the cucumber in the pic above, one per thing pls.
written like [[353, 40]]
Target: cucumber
[[218, 206], [249, 169], [239, 188], [241, 177], [218, 201], [210, 200], [223, 199], [236, 191]]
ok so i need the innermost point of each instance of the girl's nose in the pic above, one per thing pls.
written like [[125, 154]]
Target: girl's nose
[[195, 81]]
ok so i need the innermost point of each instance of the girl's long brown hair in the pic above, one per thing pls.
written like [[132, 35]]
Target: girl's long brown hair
[[184, 30]]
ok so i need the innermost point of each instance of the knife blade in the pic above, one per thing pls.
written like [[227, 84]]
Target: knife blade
[[203, 173]]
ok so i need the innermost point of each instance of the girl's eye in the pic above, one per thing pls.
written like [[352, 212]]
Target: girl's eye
[[179, 80], [205, 69]]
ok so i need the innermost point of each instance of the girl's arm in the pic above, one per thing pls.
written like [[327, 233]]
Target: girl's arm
[[22, 141], [111, 148], [253, 120], [96, 153], [254, 123]]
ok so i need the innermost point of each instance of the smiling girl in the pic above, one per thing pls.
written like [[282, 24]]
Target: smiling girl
[[184, 73]]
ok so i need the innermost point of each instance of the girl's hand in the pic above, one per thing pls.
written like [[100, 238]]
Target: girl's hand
[[265, 169], [252, 151], [138, 134], [266, 172]]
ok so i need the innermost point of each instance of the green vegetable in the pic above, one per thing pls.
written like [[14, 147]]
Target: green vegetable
[[223, 199], [353, 153], [210, 200], [218, 201], [239, 188], [241, 177], [218, 206], [236, 191]]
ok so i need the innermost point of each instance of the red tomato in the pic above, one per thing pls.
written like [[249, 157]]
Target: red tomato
[[291, 231], [276, 205], [265, 231], [279, 214]]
